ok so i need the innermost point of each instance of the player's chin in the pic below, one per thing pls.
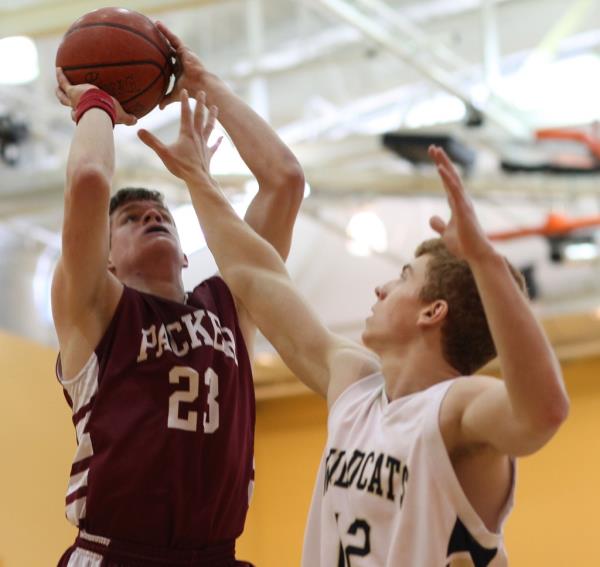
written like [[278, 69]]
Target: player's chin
[[159, 238], [367, 334], [166, 243]]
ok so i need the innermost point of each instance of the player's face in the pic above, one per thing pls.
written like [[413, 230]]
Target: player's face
[[396, 312], [144, 231]]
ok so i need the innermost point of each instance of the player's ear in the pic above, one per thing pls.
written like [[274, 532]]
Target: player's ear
[[433, 314]]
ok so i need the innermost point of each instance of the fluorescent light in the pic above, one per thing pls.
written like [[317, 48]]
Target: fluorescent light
[[439, 109], [366, 233], [541, 90], [580, 251], [18, 60]]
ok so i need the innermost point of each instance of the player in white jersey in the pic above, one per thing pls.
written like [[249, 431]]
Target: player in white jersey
[[419, 465]]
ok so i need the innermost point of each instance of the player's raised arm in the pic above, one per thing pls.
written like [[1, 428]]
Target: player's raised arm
[[81, 275], [253, 268], [273, 210], [519, 415]]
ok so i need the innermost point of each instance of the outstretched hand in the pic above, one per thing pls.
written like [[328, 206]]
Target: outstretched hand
[[189, 156], [69, 95], [191, 69], [462, 235]]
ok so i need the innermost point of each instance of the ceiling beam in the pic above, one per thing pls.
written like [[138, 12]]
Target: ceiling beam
[[339, 181], [389, 34], [52, 18]]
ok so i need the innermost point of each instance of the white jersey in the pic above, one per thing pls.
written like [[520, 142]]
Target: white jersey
[[386, 493]]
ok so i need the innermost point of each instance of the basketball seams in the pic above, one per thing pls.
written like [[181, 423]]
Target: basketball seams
[[117, 64], [122, 27], [152, 83], [163, 73]]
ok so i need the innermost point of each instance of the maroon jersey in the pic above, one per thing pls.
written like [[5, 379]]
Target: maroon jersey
[[164, 412]]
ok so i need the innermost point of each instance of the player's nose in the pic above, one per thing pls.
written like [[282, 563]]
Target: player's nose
[[152, 215]]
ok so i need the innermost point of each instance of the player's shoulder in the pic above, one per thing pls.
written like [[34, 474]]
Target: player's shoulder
[[464, 387], [349, 364], [462, 391], [214, 285], [362, 390]]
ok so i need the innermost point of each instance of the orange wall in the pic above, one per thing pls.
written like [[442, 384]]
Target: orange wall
[[290, 435], [554, 523], [37, 441]]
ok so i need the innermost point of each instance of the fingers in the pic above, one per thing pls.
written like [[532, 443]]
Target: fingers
[[455, 194], [152, 142], [173, 96], [186, 112], [123, 117], [63, 85], [212, 149], [448, 180], [175, 42], [129, 120], [440, 157], [63, 82], [199, 112], [204, 126], [455, 191], [213, 112], [62, 97], [437, 224]]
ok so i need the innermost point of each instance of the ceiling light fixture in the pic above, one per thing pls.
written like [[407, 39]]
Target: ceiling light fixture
[[366, 234], [18, 60]]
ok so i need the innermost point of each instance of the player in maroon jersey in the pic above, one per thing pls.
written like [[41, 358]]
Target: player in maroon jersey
[[159, 380]]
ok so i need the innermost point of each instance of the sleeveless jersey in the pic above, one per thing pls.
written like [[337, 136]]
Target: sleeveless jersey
[[164, 413], [386, 493]]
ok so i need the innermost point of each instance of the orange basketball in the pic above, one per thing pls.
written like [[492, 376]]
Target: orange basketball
[[123, 53]]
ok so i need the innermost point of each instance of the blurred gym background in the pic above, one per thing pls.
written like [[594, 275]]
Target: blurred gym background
[[357, 88]]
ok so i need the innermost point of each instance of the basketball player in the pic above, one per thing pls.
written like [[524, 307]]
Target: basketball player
[[419, 465], [159, 380]]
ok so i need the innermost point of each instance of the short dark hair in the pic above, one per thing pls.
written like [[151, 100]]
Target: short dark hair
[[467, 342], [128, 194]]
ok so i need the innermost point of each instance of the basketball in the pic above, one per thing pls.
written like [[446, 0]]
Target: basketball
[[123, 53]]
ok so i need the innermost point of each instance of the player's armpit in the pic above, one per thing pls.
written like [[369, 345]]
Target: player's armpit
[[80, 329], [477, 411], [247, 327], [349, 363]]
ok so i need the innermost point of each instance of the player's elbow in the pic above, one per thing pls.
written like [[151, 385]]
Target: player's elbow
[[290, 182], [558, 404], [294, 178], [551, 415], [558, 411]]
